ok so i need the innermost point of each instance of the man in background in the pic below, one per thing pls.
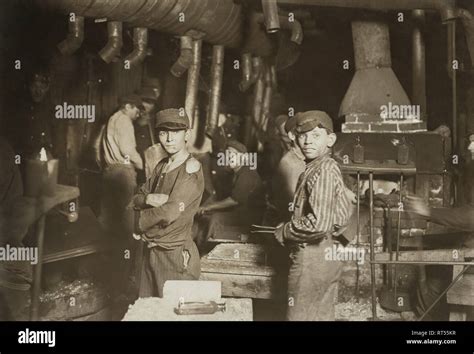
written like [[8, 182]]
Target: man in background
[[121, 160]]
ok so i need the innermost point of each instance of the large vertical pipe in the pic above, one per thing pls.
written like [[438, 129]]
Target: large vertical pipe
[[419, 63], [256, 110], [267, 99], [270, 11], [217, 72], [193, 81]]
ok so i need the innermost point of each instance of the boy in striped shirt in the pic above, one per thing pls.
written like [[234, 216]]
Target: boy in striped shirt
[[320, 203]]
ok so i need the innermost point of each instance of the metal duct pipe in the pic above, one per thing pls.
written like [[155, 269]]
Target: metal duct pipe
[[193, 82], [270, 12], [374, 83], [446, 8], [246, 71], [257, 109], [255, 71], [220, 20], [419, 63], [273, 77], [294, 26], [75, 36], [185, 58], [267, 99], [140, 42], [111, 51], [217, 71]]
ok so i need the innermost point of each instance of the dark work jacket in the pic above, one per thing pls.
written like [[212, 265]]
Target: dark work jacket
[[169, 225]]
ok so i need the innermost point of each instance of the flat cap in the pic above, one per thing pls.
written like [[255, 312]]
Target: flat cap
[[147, 94], [132, 99], [290, 124], [236, 145], [306, 121], [172, 119]]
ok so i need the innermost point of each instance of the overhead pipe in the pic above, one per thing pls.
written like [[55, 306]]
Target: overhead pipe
[[217, 72], [270, 12], [446, 8], [246, 71], [185, 58], [140, 42], [193, 82], [273, 77], [294, 26], [419, 63], [256, 68], [220, 20], [111, 51], [258, 92], [267, 99], [75, 36]]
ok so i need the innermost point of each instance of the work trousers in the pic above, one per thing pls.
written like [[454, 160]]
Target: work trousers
[[312, 283], [160, 265]]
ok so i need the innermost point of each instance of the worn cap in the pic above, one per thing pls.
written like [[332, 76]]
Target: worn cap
[[147, 94], [172, 119], [154, 84], [132, 99], [290, 124], [236, 145], [306, 121]]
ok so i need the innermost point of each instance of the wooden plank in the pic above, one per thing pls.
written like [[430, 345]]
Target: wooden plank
[[462, 292], [239, 252], [431, 255], [243, 285], [235, 267]]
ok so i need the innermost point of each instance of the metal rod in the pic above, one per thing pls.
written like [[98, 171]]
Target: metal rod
[[442, 294], [399, 229], [358, 236], [452, 57], [372, 246], [424, 262], [38, 269]]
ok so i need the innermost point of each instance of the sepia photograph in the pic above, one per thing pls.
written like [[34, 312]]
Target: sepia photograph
[[237, 161]]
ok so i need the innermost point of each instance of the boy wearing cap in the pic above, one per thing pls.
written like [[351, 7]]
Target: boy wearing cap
[[321, 201], [245, 205], [165, 208]]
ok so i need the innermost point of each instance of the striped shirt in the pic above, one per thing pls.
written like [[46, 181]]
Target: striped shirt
[[320, 202]]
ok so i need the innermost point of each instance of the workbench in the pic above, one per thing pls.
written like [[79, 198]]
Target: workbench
[[175, 291]]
